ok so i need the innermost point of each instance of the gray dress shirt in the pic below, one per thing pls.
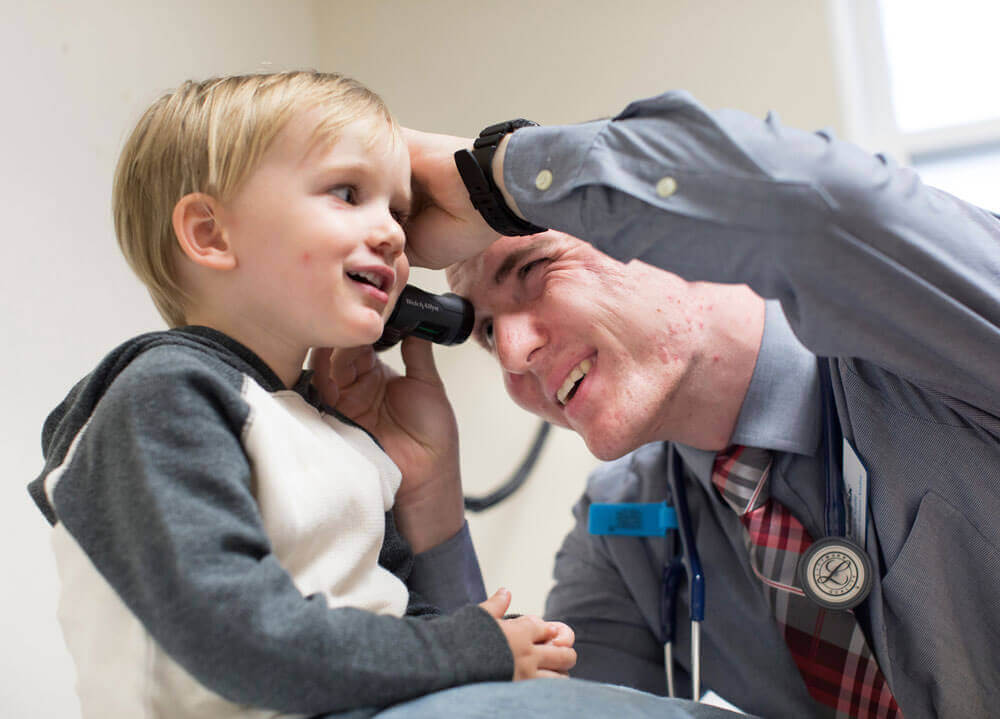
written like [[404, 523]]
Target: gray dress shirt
[[901, 284]]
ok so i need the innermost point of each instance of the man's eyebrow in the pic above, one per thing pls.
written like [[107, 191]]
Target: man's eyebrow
[[513, 259], [406, 196]]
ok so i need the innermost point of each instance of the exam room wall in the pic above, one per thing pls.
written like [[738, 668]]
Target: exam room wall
[[79, 73], [76, 77], [455, 66]]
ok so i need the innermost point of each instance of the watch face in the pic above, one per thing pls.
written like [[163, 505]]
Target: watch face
[[835, 573]]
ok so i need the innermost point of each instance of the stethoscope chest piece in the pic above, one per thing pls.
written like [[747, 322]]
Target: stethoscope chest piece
[[835, 573]]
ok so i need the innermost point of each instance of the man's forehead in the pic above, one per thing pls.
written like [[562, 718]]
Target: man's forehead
[[493, 266]]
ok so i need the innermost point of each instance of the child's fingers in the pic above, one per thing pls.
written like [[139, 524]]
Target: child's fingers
[[548, 674], [539, 631], [498, 604], [563, 634], [556, 658]]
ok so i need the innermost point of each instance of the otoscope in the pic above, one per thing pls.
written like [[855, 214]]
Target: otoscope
[[443, 319], [447, 320]]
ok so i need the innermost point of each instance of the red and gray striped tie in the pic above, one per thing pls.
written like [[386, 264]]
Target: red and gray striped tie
[[828, 646]]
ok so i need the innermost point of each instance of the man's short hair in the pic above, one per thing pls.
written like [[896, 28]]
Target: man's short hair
[[209, 137]]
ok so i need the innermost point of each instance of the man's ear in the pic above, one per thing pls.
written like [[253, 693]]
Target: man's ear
[[200, 233]]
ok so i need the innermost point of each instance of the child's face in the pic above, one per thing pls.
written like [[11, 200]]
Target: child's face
[[317, 236]]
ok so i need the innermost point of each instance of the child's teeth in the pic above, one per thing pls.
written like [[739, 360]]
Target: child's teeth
[[371, 277]]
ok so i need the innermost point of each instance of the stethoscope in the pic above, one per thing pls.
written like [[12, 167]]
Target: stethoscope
[[835, 572]]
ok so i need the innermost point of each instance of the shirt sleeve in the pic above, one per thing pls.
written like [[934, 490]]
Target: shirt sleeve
[[448, 575], [866, 260], [158, 495]]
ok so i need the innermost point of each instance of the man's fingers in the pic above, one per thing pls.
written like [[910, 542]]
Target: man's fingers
[[418, 358], [347, 365], [319, 359], [361, 397], [319, 363]]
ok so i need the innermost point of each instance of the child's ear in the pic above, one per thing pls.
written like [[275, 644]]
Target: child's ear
[[200, 233]]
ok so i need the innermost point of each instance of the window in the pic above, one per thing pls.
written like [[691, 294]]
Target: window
[[921, 80]]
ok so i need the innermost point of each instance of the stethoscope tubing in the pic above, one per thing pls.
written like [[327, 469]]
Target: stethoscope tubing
[[835, 519], [691, 561]]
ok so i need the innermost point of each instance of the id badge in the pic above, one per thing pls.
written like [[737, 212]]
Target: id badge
[[855, 495]]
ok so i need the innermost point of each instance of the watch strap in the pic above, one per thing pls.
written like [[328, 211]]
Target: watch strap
[[475, 167]]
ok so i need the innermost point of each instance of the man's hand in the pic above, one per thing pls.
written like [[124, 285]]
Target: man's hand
[[444, 226], [540, 648], [414, 422]]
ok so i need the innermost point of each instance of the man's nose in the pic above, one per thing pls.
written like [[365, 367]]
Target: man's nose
[[519, 338]]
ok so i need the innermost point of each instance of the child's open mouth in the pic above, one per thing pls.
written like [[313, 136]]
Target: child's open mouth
[[370, 278]]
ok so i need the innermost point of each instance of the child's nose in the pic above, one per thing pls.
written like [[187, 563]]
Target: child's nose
[[387, 239]]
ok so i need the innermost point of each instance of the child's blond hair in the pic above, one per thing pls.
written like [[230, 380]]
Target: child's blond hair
[[208, 137]]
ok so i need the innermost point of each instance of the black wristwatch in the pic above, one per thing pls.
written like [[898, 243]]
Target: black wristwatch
[[476, 168]]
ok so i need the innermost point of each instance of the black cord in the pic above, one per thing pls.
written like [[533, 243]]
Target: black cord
[[478, 504]]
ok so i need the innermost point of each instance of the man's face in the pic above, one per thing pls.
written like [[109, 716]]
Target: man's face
[[584, 341], [316, 229]]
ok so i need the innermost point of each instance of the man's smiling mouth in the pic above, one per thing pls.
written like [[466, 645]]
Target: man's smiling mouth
[[572, 382]]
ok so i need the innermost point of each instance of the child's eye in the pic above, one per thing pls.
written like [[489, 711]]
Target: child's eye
[[347, 193]]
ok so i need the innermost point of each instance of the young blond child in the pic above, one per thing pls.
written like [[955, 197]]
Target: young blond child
[[225, 541]]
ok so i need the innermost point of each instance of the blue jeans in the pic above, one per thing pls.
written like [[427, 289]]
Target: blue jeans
[[547, 699]]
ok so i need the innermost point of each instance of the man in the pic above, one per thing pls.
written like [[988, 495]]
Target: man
[[895, 281]]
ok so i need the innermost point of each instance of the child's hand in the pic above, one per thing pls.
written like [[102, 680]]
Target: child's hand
[[413, 421], [564, 636], [540, 648]]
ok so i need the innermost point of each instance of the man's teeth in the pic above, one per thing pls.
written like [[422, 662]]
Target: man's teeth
[[369, 277], [577, 374]]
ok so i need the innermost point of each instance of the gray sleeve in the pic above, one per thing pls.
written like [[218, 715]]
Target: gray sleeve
[[613, 641], [866, 260], [448, 575], [158, 496]]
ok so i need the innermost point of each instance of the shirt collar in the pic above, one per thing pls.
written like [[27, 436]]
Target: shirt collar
[[781, 410]]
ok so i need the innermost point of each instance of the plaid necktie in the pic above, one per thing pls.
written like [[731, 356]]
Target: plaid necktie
[[828, 646]]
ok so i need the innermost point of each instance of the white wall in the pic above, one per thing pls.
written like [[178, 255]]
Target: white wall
[[77, 76], [455, 66]]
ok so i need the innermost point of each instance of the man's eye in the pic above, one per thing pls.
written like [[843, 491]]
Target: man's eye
[[486, 334], [347, 193], [400, 216], [525, 269]]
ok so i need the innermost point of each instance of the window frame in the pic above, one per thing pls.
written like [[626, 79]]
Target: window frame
[[863, 81]]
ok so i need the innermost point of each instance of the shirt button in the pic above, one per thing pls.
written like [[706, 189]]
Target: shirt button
[[666, 187], [543, 180]]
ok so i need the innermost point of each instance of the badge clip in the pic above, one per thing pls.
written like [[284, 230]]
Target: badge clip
[[627, 519]]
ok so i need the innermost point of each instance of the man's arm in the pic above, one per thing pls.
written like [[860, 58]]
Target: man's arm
[[866, 260]]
